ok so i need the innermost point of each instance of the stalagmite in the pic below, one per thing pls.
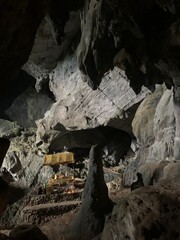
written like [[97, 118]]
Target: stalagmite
[[96, 204]]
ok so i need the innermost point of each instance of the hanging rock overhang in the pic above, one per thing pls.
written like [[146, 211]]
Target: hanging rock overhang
[[133, 35]]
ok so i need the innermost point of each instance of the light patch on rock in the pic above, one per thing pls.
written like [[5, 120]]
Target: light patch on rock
[[22, 160], [79, 107]]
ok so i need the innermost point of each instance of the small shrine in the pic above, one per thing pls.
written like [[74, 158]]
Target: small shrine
[[60, 182]]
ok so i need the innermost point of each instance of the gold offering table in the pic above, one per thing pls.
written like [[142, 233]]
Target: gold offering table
[[59, 182]]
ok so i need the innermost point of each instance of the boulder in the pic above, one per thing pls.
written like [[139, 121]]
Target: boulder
[[146, 213]]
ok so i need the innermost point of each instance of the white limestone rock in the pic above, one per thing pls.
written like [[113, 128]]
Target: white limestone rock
[[79, 107], [22, 160], [154, 127], [164, 129]]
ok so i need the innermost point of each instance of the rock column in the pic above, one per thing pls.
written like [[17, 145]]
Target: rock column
[[96, 205]]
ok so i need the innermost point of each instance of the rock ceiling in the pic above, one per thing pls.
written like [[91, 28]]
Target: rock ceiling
[[141, 37]]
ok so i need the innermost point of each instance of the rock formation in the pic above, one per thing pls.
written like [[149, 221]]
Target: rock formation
[[100, 42], [147, 213], [155, 129], [163, 173], [78, 107], [79, 73], [23, 161], [118, 32], [96, 204]]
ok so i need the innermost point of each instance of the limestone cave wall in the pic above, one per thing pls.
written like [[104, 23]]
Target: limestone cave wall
[[78, 73], [73, 66]]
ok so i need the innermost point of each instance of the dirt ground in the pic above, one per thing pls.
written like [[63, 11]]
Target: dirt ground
[[54, 229]]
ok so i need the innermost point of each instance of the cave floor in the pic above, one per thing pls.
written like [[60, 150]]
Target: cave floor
[[53, 217]]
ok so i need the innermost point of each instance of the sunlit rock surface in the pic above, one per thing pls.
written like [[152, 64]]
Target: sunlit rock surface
[[164, 129], [154, 127], [22, 161], [79, 107]]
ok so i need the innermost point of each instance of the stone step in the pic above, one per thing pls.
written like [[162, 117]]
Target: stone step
[[42, 213]]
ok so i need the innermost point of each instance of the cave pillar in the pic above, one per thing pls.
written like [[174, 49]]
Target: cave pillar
[[96, 204]]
